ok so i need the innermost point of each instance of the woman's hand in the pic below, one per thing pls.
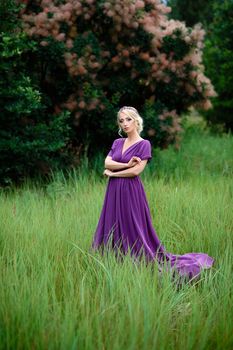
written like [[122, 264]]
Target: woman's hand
[[107, 172], [133, 161]]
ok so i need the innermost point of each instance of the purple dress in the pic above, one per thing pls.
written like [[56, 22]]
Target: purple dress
[[125, 221]]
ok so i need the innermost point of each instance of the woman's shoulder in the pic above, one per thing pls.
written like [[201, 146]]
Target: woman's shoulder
[[145, 145], [145, 141]]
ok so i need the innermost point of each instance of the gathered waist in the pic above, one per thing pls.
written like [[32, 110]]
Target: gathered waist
[[133, 178]]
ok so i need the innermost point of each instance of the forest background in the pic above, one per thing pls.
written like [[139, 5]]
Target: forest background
[[66, 67]]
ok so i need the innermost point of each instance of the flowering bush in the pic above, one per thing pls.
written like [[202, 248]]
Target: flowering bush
[[97, 55]]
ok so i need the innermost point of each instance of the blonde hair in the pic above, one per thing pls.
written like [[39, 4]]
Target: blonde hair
[[133, 113]]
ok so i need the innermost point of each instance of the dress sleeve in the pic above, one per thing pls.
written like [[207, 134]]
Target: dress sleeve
[[146, 151], [110, 153]]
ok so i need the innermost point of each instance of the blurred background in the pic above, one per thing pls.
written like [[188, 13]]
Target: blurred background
[[66, 67]]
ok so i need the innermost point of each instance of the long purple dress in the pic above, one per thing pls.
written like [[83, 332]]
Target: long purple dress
[[125, 222]]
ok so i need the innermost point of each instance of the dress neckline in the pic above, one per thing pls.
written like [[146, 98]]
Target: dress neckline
[[122, 153]]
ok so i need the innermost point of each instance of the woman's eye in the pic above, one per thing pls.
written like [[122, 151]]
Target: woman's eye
[[121, 121]]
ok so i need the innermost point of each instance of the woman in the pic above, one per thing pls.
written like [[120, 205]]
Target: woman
[[125, 222]]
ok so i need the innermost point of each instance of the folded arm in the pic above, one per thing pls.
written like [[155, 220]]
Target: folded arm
[[131, 172], [113, 165]]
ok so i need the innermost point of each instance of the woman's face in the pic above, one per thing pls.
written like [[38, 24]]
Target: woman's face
[[127, 123]]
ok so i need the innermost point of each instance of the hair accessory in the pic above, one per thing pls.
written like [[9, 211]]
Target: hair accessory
[[128, 107]]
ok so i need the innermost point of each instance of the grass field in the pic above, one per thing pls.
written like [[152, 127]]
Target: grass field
[[56, 294]]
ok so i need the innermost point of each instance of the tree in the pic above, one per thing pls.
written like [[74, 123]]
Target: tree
[[98, 55], [77, 62], [218, 59], [31, 140], [192, 12]]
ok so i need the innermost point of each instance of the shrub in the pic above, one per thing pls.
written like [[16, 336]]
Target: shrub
[[100, 55], [32, 140], [219, 63]]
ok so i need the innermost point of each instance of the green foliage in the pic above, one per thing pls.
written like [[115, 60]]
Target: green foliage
[[151, 112], [217, 18], [91, 59], [9, 11], [191, 12], [218, 58], [63, 82], [163, 127], [31, 139], [175, 45]]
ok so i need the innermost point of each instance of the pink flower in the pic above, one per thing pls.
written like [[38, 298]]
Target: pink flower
[[82, 104], [139, 4], [125, 53], [44, 43], [151, 132], [207, 105], [69, 44], [144, 55], [60, 37], [115, 59], [82, 70]]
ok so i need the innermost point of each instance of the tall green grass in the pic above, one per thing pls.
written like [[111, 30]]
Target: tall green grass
[[57, 294]]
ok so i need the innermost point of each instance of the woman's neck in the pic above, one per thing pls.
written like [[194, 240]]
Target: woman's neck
[[133, 136]]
